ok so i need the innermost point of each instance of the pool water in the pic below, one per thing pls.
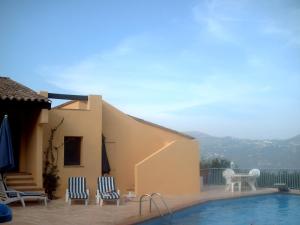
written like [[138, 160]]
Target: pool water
[[275, 209]]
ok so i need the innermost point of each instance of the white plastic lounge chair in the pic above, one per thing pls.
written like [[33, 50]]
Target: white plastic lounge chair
[[26, 195], [33, 195], [106, 190], [77, 189], [228, 174], [5, 195], [254, 174]]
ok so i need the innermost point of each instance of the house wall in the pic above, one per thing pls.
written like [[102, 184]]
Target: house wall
[[129, 141], [85, 123], [172, 170], [129, 144]]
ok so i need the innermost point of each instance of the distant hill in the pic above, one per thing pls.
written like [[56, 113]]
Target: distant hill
[[248, 153]]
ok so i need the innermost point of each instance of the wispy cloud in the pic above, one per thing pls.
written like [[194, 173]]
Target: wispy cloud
[[229, 20], [256, 61], [291, 35], [205, 15], [284, 23], [219, 18], [144, 86], [141, 85]]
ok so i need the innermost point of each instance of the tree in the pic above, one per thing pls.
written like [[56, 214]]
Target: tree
[[215, 163]]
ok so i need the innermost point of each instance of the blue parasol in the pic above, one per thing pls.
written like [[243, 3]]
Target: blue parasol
[[6, 149]]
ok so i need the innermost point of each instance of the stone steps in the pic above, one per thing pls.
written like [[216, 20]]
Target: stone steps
[[22, 182]]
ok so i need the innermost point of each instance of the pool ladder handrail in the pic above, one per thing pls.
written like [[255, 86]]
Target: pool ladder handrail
[[162, 200], [150, 196]]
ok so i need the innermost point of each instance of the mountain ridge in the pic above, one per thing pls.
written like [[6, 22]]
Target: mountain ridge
[[250, 153]]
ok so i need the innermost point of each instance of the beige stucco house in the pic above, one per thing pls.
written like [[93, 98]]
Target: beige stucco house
[[144, 157]]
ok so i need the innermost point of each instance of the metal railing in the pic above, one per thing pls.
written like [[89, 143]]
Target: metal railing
[[162, 200], [152, 200], [150, 197], [268, 177]]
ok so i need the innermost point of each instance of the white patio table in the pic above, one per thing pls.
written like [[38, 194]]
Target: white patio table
[[244, 178]]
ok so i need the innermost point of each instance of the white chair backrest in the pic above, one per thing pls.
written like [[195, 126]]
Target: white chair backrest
[[228, 173], [106, 184], [254, 172], [77, 184]]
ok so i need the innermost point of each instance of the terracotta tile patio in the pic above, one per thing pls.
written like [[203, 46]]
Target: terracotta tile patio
[[58, 212]]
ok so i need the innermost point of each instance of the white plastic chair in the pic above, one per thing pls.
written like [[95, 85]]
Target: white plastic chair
[[254, 174], [77, 189], [106, 190], [228, 174]]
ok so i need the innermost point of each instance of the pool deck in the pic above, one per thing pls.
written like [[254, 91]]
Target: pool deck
[[58, 212]]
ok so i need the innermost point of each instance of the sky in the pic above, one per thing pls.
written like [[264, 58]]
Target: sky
[[222, 67]]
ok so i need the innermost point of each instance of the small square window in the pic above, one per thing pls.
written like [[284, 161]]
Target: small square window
[[72, 150]]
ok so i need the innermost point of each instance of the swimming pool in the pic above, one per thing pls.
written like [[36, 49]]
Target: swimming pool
[[274, 209]]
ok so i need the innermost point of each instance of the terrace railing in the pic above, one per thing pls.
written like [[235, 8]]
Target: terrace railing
[[267, 179]]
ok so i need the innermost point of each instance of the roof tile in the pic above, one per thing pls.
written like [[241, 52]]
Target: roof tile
[[12, 90]]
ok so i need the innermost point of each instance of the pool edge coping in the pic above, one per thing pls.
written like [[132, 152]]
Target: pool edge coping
[[138, 219]]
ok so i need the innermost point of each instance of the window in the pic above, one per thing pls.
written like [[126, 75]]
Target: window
[[72, 147]]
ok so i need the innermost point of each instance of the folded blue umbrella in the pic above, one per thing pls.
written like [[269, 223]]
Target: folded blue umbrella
[[6, 149]]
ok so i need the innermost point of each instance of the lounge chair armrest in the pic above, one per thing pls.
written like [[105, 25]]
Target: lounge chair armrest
[[97, 196], [12, 191], [67, 195], [18, 193]]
